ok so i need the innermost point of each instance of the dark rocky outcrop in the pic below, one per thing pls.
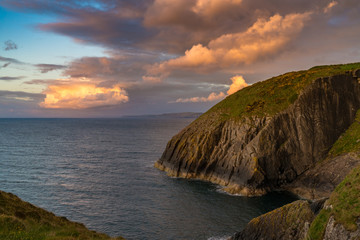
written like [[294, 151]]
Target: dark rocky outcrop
[[253, 154], [320, 181]]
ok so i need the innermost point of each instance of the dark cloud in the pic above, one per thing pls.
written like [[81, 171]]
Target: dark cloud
[[114, 23], [113, 69], [44, 68], [9, 60], [102, 28], [5, 65], [10, 78], [10, 45], [174, 25], [20, 96], [40, 82]]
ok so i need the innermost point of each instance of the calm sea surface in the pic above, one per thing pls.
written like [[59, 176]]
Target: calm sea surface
[[100, 172]]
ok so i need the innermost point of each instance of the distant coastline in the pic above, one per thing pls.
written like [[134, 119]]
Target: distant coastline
[[168, 115]]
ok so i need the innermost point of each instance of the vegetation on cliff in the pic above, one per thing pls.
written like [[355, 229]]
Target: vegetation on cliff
[[275, 94], [287, 222], [349, 141], [20, 220], [343, 204]]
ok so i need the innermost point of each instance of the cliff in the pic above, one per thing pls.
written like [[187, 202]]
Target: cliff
[[269, 134], [22, 220]]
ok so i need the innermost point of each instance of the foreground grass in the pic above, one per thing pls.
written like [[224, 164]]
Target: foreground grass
[[345, 206], [275, 94], [20, 220]]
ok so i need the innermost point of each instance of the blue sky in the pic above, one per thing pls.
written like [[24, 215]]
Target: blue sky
[[113, 58]]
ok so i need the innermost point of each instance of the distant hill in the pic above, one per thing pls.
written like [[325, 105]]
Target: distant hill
[[169, 115]]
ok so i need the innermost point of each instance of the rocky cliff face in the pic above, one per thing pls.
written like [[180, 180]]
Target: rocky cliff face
[[321, 180], [253, 154]]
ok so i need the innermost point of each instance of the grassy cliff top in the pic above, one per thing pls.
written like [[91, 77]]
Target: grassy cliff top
[[21, 220], [274, 95]]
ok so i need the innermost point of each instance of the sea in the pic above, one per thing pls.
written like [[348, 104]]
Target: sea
[[100, 172]]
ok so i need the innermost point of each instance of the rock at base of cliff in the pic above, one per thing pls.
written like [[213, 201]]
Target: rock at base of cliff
[[321, 180], [289, 222]]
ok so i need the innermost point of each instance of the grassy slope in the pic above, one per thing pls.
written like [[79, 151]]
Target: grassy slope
[[345, 202], [275, 94], [346, 197], [20, 220], [349, 141]]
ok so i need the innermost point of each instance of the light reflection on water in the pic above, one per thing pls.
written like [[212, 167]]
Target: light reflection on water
[[100, 172]]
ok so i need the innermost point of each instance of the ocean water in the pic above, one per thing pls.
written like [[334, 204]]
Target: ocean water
[[100, 172]]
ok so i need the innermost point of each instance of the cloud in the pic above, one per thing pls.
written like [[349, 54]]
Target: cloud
[[156, 24], [9, 60], [197, 45], [10, 45], [191, 14], [45, 68], [264, 39], [238, 82], [212, 97], [82, 95], [20, 96], [5, 65], [211, 8], [10, 78], [330, 6]]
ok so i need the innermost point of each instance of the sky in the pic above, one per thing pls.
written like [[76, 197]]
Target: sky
[[113, 58]]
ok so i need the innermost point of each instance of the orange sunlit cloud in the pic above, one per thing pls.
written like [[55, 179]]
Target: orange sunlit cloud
[[238, 82], [82, 95], [212, 97], [330, 6], [266, 37]]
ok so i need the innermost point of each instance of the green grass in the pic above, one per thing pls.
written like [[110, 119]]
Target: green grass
[[318, 226], [349, 141], [345, 202], [20, 220], [275, 94]]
